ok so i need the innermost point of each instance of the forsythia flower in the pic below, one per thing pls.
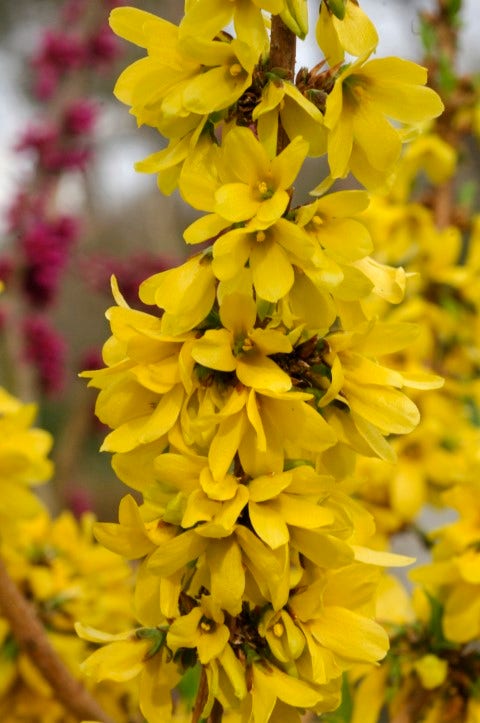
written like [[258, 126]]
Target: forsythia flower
[[365, 95], [344, 29], [250, 188], [208, 17], [185, 78], [23, 459], [241, 348]]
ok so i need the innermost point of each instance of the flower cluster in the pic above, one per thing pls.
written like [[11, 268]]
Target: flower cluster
[[23, 459], [427, 223], [240, 403], [66, 576]]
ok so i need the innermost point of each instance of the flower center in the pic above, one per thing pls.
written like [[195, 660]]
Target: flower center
[[264, 190], [278, 630], [235, 69], [357, 89], [206, 625], [260, 237], [247, 344]]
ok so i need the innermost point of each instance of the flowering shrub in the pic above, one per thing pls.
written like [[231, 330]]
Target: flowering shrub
[[239, 404], [276, 403]]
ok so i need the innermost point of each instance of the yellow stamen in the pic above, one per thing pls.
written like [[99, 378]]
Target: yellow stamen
[[247, 345], [278, 630], [260, 236], [205, 625], [262, 187], [235, 69], [317, 221]]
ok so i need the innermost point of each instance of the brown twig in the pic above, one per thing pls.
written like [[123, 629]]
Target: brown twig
[[282, 55], [446, 48], [31, 637], [201, 698]]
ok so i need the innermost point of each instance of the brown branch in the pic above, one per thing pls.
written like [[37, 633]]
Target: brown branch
[[201, 699], [446, 47], [32, 639], [444, 205], [282, 55]]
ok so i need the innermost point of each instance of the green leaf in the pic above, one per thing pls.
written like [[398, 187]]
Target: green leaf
[[435, 627], [446, 74], [467, 194], [428, 35], [453, 9], [188, 685], [337, 7], [473, 411], [343, 714], [10, 648]]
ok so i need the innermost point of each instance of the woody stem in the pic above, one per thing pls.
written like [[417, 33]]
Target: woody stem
[[282, 55]]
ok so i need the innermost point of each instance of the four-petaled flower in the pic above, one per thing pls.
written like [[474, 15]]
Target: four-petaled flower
[[242, 348]]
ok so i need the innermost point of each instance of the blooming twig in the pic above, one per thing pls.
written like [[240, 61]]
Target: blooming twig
[[31, 637]]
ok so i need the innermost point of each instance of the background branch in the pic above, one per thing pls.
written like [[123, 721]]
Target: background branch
[[32, 639]]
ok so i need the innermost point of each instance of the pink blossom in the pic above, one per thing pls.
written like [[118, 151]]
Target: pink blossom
[[45, 246], [103, 47], [45, 349], [79, 117]]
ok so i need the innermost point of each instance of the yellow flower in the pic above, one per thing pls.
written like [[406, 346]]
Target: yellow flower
[[251, 187], [349, 31], [370, 390], [342, 245], [186, 292], [242, 348], [202, 628], [208, 17], [271, 685], [431, 670], [179, 81], [23, 459], [281, 246], [277, 502], [226, 71], [168, 162], [364, 96], [132, 537], [284, 638], [137, 653], [332, 223], [338, 636], [428, 153], [277, 422], [150, 81]]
